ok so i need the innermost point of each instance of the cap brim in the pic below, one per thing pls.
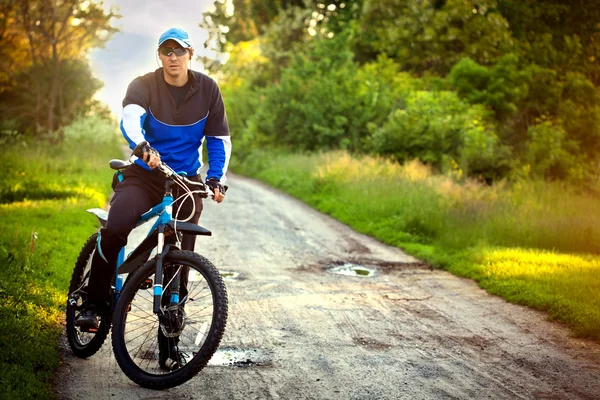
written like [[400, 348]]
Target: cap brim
[[181, 43]]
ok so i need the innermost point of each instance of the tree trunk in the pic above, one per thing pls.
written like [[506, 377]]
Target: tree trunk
[[53, 90], [38, 107]]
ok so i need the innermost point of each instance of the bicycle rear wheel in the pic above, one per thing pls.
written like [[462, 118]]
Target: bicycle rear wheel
[[194, 326], [83, 344]]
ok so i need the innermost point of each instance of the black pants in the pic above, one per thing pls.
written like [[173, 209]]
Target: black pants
[[139, 191]]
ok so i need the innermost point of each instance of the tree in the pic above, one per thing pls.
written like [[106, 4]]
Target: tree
[[229, 23], [283, 24], [560, 34], [56, 33], [431, 36], [14, 54]]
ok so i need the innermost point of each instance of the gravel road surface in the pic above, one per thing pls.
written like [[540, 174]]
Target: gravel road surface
[[392, 329]]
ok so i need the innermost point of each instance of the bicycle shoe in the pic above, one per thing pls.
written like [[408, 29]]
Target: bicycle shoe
[[89, 320]]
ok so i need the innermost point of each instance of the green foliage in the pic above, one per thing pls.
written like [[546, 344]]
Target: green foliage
[[27, 103], [242, 101], [9, 132], [559, 34], [383, 87], [45, 79], [428, 127], [439, 129], [478, 88], [246, 21], [44, 194], [424, 36], [281, 23], [281, 41], [549, 153], [559, 149], [501, 87], [482, 154], [314, 105], [92, 129], [580, 112], [576, 107]]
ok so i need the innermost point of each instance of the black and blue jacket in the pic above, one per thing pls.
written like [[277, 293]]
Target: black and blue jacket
[[177, 132]]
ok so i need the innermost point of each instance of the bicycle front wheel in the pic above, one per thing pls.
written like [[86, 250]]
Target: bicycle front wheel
[[164, 350]]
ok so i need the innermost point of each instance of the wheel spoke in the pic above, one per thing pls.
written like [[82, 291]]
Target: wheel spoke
[[139, 335]]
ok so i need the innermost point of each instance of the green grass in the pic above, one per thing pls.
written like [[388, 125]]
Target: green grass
[[43, 197], [534, 243]]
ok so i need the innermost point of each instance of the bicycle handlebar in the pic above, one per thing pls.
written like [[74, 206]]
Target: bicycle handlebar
[[144, 147], [170, 173]]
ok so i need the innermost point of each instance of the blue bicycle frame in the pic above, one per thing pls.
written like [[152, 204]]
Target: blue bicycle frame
[[165, 226]]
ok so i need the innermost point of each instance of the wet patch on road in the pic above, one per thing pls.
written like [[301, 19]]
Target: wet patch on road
[[364, 267], [351, 269], [240, 357]]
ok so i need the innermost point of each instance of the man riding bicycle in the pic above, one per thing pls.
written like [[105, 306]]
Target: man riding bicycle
[[174, 109]]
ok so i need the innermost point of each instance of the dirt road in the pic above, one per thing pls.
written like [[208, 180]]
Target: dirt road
[[297, 331]]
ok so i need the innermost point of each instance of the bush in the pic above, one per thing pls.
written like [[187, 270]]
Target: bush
[[549, 151], [501, 86], [9, 133], [314, 106], [436, 127], [93, 129], [483, 155], [580, 114]]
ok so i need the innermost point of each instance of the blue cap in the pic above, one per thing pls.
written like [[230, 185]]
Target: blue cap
[[178, 35]]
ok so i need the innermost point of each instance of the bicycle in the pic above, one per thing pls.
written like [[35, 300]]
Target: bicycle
[[184, 318]]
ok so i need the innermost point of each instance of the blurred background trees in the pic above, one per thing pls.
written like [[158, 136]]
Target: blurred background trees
[[45, 78], [495, 88], [490, 89]]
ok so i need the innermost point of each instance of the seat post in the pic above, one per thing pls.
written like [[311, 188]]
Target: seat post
[[168, 184]]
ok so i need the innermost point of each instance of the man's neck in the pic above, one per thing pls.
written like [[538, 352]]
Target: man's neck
[[177, 81]]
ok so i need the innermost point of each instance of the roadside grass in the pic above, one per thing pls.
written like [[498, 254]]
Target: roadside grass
[[43, 197], [533, 243]]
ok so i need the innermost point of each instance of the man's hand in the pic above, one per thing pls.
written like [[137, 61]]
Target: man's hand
[[217, 189], [147, 154], [152, 159]]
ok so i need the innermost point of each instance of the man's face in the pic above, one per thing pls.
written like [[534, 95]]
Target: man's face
[[173, 64]]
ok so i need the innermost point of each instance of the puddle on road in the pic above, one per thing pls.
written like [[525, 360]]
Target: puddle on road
[[350, 269], [229, 275], [239, 357]]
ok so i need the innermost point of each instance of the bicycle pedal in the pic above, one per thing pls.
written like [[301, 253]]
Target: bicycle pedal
[[147, 284]]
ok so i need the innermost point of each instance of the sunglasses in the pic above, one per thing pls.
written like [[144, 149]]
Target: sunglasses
[[167, 51]]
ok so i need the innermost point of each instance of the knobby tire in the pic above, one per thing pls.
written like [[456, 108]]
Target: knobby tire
[[140, 362], [93, 341]]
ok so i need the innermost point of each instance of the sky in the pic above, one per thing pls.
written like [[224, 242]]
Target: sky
[[132, 52]]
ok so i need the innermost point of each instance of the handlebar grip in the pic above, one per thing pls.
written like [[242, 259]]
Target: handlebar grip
[[143, 148], [140, 149]]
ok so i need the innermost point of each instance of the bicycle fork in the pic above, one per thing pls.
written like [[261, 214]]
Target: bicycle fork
[[161, 251]]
